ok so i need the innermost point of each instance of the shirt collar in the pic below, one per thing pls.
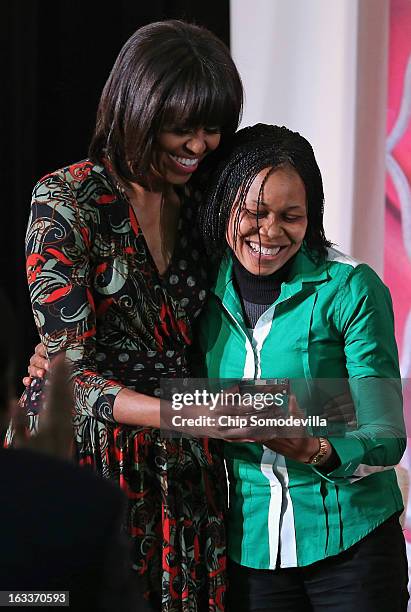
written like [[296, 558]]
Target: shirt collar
[[305, 269]]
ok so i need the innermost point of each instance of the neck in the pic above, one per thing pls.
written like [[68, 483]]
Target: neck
[[141, 198], [259, 289]]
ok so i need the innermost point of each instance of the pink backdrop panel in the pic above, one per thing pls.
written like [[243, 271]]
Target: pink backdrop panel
[[397, 247]]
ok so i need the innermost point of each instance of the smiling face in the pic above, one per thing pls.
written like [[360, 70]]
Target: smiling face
[[271, 232], [179, 152]]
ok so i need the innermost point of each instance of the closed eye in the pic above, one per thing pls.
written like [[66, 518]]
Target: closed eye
[[256, 214], [213, 129], [261, 213], [180, 131], [183, 131], [291, 218]]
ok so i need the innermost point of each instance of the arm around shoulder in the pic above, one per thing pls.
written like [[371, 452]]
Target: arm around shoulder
[[58, 250]]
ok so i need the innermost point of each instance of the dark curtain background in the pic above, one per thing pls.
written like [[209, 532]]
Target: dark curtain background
[[56, 57]]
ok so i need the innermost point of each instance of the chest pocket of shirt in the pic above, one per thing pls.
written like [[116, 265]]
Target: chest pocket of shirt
[[289, 339]]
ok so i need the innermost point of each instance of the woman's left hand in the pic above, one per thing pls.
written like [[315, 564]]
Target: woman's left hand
[[294, 443], [301, 446]]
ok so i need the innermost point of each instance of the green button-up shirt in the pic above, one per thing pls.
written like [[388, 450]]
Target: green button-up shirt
[[332, 321]]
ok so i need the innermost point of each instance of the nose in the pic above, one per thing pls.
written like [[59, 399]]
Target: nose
[[196, 143], [271, 227]]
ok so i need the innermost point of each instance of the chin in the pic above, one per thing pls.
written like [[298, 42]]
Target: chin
[[178, 180], [262, 270]]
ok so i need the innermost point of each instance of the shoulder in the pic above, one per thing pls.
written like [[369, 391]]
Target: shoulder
[[363, 302], [336, 257], [84, 183], [352, 272]]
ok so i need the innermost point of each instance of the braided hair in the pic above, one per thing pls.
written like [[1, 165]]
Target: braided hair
[[251, 150]]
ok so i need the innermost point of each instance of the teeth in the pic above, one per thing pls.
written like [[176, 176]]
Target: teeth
[[185, 161], [254, 246]]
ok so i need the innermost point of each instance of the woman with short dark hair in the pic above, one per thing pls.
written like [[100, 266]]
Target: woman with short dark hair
[[168, 75], [117, 276]]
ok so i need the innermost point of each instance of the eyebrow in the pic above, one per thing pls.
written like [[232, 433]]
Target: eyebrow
[[265, 204]]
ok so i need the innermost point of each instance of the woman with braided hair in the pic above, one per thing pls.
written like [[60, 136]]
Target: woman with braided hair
[[313, 518]]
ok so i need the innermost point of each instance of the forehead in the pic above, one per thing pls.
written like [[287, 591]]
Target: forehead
[[197, 102], [281, 185]]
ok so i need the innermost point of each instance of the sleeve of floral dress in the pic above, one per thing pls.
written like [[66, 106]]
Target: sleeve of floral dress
[[58, 241]]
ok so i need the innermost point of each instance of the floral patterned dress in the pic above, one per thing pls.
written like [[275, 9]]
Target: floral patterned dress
[[96, 294]]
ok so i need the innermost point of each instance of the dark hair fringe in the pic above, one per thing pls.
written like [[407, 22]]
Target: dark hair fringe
[[169, 73], [251, 150]]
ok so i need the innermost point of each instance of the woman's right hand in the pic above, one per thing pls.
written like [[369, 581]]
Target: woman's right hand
[[39, 365]]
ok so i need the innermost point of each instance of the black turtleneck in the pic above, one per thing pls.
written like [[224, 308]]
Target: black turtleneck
[[257, 293]]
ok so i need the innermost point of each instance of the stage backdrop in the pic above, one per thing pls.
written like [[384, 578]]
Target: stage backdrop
[[328, 70], [397, 250], [320, 68]]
